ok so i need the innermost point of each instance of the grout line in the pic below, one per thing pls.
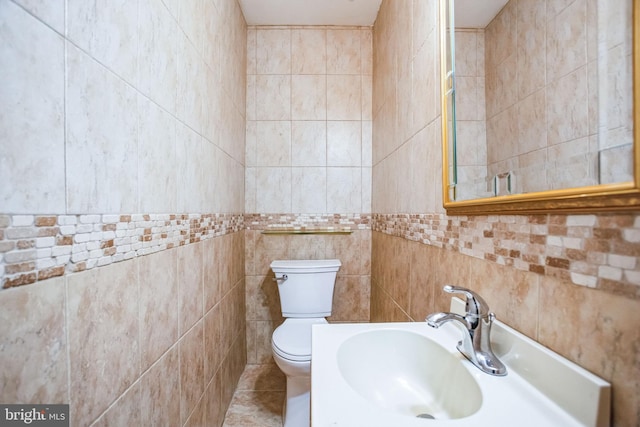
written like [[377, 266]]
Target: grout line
[[66, 202]]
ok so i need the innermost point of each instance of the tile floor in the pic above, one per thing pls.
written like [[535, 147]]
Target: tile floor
[[257, 402]]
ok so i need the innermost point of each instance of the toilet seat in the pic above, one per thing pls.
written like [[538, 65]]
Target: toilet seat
[[292, 339]]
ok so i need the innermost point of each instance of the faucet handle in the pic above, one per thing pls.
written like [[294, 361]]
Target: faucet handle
[[476, 306]]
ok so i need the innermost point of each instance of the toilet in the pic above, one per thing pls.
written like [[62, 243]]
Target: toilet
[[306, 298]]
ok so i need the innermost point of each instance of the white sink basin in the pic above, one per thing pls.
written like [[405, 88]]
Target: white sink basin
[[409, 374], [391, 374]]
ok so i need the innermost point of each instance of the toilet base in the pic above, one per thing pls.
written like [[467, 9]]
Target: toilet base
[[297, 406]]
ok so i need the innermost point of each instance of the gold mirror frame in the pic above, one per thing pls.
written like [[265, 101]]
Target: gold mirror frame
[[597, 198]]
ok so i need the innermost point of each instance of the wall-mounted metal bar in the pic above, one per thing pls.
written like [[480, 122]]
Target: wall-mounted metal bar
[[286, 231]]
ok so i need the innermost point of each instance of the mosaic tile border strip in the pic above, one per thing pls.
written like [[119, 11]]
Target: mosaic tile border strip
[[596, 251], [38, 247], [320, 221]]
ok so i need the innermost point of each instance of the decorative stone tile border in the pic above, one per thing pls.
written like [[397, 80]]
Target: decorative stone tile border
[[331, 221], [38, 247], [597, 251]]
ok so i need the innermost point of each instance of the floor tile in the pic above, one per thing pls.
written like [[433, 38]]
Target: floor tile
[[258, 399]]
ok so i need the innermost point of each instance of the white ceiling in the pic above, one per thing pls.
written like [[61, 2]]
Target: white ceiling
[[469, 13], [310, 12], [476, 14]]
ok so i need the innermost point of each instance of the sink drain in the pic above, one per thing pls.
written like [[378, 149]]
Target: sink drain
[[426, 416]]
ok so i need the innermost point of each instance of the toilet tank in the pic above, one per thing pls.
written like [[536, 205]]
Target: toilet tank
[[306, 286]]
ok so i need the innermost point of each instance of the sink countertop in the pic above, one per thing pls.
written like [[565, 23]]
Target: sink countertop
[[523, 397]]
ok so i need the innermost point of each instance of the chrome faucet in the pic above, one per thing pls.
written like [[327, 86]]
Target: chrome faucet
[[475, 344]]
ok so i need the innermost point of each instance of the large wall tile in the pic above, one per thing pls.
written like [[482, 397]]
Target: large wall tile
[[250, 190], [213, 349], [50, 12], [567, 97], [351, 299], [31, 114], [344, 143], [275, 143], [598, 331], [273, 190], [568, 52], [158, 51], [366, 51], [108, 32], [101, 149], [424, 280], [104, 351], [212, 109], [192, 21], [308, 97], [213, 258], [273, 97], [124, 412], [531, 57], [158, 305], [309, 143], [367, 188], [159, 404], [309, 51], [367, 97], [344, 189], [156, 156], [123, 109], [273, 49], [215, 406], [309, 190], [197, 417], [353, 250], [189, 160], [190, 286], [252, 43], [343, 52], [33, 344], [303, 77], [191, 82], [306, 247], [191, 370], [344, 97]]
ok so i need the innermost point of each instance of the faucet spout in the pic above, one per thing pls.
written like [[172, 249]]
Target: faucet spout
[[475, 344], [435, 320]]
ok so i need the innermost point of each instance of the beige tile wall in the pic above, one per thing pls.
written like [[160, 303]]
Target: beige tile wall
[[129, 113], [38, 247], [406, 98], [158, 338], [594, 328], [308, 158], [133, 119], [543, 92], [471, 122], [308, 120], [352, 289], [412, 261]]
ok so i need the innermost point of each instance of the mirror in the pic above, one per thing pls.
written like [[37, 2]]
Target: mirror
[[538, 105]]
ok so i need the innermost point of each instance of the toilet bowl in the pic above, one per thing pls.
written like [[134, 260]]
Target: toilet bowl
[[291, 346], [306, 297]]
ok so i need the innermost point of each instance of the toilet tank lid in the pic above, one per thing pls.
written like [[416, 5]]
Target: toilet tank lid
[[304, 264]]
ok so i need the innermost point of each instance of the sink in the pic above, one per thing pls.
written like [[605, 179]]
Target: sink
[[409, 374]]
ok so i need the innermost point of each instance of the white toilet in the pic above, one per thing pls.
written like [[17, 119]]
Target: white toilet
[[306, 298]]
